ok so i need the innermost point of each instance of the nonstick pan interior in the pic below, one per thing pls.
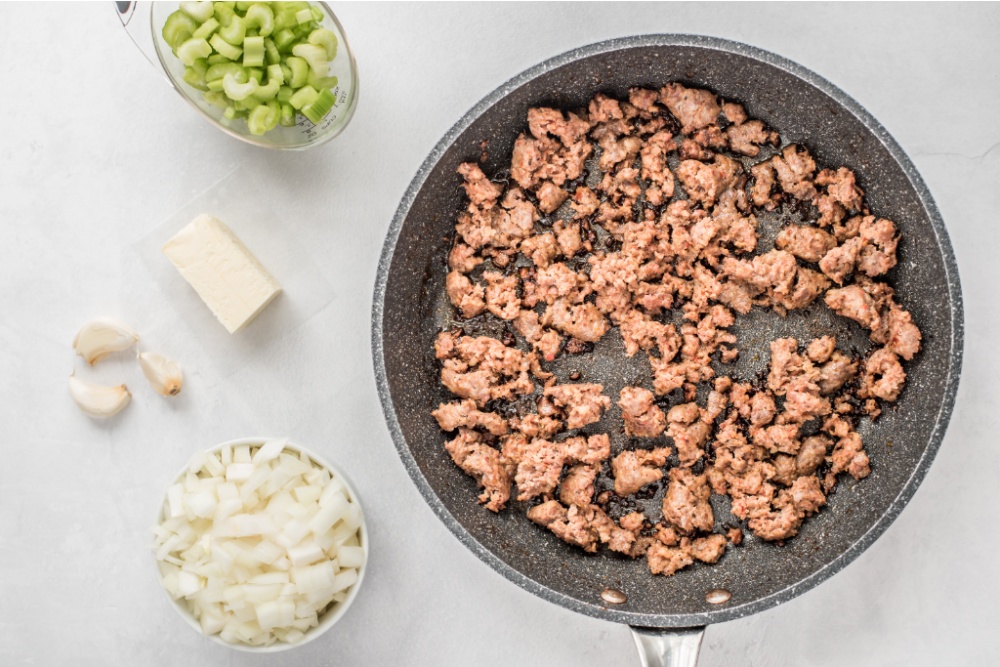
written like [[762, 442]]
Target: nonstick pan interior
[[410, 308]]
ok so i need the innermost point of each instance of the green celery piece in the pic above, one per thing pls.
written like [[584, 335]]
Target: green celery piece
[[216, 99], [304, 96], [199, 11], [287, 118], [286, 72], [243, 6], [206, 29], [215, 86], [216, 72], [303, 16], [300, 71], [235, 32], [194, 75], [274, 73], [263, 118], [237, 91], [326, 39], [296, 6], [284, 17], [255, 73], [177, 29], [224, 12], [225, 48], [284, 39], [247, 103], [317, 14], [320, 82], [268, 91], [230, 112], [315, 56], [217, 58], [271, 52], [284, 94], [320, 106], [193, 49], [253, 52], [260, 17]]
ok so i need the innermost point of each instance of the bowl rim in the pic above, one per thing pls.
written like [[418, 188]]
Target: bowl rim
[[352, 103], [809, 77], [328, 620]]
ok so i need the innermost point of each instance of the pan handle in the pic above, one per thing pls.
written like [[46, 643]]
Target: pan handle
[[668, 647]]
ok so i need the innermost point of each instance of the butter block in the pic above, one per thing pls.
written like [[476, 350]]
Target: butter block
[[224, 273]]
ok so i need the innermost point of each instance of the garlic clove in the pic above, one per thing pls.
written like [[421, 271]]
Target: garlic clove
[[102, 336], [163, 373], [98, 400]]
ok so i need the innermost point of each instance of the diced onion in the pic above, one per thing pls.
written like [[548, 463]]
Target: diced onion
[[258, 542]]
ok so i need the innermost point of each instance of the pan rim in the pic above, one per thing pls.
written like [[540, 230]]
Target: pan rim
[[950, 386]]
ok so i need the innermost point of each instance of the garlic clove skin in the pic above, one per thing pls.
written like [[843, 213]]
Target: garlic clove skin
[[163, 374], [98, 400], [102, 336]]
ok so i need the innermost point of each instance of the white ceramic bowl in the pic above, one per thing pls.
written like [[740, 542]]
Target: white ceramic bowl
[[334, 613]]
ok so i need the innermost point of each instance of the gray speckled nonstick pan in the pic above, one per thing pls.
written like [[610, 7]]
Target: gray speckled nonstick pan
[[668, 613]]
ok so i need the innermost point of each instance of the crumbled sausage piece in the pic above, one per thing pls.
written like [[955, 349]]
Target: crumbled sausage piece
[[466, 296], [643, 418], [635, 468], [694, 108], [583, 403], [488, 466], [685, 504], [451, 416]]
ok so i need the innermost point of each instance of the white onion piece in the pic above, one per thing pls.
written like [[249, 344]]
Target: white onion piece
[[258, 543]]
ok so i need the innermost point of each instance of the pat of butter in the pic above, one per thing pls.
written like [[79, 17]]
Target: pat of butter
[[224, 273]]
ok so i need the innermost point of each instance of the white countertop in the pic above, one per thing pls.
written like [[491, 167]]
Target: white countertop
[[100, 151]]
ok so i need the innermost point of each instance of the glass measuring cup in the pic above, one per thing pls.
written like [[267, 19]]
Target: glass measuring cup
[[144, 22]]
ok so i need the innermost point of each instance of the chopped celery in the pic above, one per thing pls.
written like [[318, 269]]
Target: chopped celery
[[200, 11], [193, 49], [263, 118], [206, 29], [236, 90], [235, 32], [268, 91], [320, 82], [303, 97], [218, 71], [326, 39], [216, 98], [253, 52], [300, 71], [260, 61], [177, 29], [194, 75], [271, 52], [274, 73], [224, 13], [225, 48], [261, 17], [315, 56], [284, 39], [320, 106]]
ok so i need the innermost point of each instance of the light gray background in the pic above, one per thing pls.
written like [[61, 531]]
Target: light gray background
[[99, 151]]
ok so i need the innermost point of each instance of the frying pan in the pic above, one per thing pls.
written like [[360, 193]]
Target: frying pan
[[668, 614]]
